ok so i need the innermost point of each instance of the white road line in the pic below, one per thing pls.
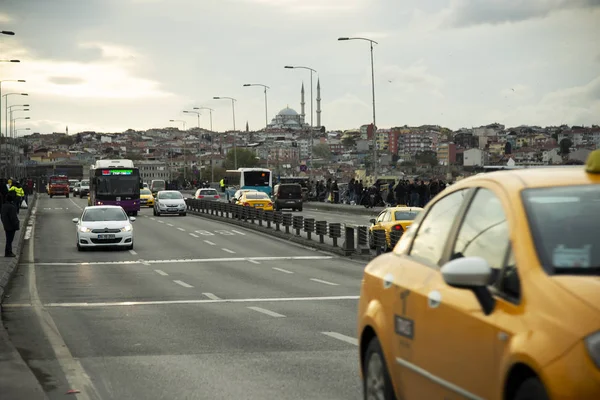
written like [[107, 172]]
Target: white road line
[[341, 337], [28, 233], [161, 272], [253, 261], [211, 296], [194, 301], [324, 282], [268, 312], [238, 232], [228, 251], [161, 222], [71, 367], [153, 219], [194, 235], [182, 283], [282, 270], [181, 229], [170, 224], [209, 242], [132, 252]]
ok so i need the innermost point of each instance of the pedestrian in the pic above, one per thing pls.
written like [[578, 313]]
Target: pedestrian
[[10, 221], [19, 194]]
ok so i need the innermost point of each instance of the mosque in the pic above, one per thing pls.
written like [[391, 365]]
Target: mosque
[[288, 118]]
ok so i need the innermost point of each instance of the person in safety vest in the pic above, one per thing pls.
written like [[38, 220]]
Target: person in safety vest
[[222, 184], [19, 193]]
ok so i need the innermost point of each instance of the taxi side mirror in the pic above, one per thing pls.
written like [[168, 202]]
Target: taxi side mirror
[[132, 219], [372, 220], [75, 220], [472, 273]]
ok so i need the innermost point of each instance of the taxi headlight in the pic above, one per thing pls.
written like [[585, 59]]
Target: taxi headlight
[[592, 343], [126, 228], [84, 229]]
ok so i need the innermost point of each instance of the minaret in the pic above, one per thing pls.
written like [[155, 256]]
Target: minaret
[[302, 104], [318, 103]]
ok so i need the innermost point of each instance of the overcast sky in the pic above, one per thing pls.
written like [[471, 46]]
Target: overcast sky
[[110, 65]]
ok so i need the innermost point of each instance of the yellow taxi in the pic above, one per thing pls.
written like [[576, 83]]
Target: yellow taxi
[[256, 200], [493, 293], [146, 198], [396, 219]]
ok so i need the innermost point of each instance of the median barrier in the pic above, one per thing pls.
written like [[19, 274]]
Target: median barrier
[[297, 229]]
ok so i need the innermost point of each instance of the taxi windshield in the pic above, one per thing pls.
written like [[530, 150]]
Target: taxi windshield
[[170, 195], [256, 196], [145, 191], [405, 215], [565, 230]]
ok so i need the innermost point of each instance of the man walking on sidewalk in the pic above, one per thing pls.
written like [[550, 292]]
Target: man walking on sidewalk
[[10, 220]]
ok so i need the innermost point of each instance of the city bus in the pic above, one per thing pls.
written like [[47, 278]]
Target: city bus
[[259, 179], [115, 182]]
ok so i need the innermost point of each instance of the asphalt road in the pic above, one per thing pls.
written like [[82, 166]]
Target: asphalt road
[[198, 310]]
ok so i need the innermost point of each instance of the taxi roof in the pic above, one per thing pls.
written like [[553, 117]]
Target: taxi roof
[[403, 208]]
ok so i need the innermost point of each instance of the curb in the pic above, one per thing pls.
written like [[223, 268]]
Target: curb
[[313, 244], [22, 383]]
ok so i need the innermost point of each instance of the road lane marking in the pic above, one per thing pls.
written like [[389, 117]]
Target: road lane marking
[[341, 337], [175, 302], [211, 296], [161, 272], [28, 233], [282, 270], [153, 219], [228, 251], [324, 282], [181, 229], [132, 252], [185, 260], [194, 235], [268, 312], [72, 369], [253, 261], [161, 222], [209, 242], [238, 232], [182, 283], [170, 225]]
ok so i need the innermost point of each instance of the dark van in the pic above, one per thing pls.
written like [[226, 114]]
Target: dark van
[[288, 195]]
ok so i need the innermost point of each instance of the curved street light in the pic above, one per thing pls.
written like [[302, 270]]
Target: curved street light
[[371, 42], [10, 33], [184, 144], [211, 110], [212, 166], [11, 61], [6, 80], [234, 131]]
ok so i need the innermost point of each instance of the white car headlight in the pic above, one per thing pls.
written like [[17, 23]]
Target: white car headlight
[[592, 343], [126, 228], [84, 229]]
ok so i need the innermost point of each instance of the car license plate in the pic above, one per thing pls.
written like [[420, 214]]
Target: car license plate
[[258, 205], [106, 236]]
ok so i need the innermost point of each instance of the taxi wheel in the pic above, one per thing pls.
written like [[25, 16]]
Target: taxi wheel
[[531, 389], [377, 384]]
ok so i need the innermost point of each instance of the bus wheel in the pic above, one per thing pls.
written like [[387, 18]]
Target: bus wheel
[[134, 213]]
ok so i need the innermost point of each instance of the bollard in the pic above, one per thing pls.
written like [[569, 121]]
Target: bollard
[[260, 216], [269, 216], [227, 208], [335, 232], [251, 214], [278, 219], [298, 223], [287, 222], [348, 245], [380, 240], [309, 227], [362, 246], [321, 230], [221, 208], [395, 235]]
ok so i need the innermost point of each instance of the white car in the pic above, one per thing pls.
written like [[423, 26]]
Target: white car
[[207, 194], [169, 202], [104, 226], [239, 194]]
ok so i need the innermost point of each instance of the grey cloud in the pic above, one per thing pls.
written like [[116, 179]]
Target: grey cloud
[[65, 80], [465, 13]]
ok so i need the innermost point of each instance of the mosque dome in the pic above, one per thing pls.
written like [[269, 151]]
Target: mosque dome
[[288, 112]]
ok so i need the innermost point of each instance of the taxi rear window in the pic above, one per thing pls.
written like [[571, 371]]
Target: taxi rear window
[[565, 228], [256, 196], [405, 215]]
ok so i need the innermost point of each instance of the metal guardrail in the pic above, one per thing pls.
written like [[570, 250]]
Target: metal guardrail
[[356, 239]]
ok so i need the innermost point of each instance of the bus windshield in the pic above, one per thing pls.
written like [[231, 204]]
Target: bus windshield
[[117, 185], [257, 178]]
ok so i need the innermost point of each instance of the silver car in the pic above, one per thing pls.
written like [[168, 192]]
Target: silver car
[[207, 194], [169, 202]]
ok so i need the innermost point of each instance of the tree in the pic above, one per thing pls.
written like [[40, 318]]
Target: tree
[[245, 159], [565, 146], [68, 140], [321, 150], [427, 157], [348, 142]]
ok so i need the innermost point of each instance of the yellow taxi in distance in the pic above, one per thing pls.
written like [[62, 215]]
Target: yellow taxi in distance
[[256, 200], [392, 219], [146, 198], [493, 293]]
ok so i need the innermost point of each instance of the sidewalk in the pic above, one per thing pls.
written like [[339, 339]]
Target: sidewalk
[[16, 379]]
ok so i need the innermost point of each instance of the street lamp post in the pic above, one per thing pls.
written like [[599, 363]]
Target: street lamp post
[[14, 124], [10, 33], [371, 42], [310, 153], [6, 113], [234, 131], [184, 144], [266, 111], [212, 166], [11, 61]]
